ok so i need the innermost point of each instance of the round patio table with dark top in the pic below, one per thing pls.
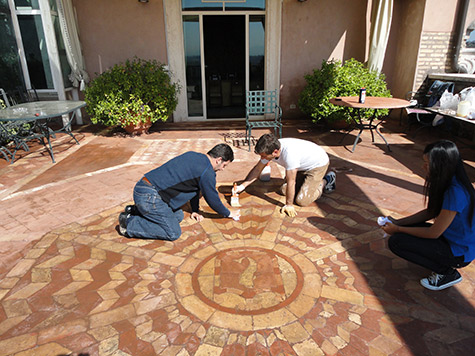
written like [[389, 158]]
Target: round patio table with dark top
[[371, 102]]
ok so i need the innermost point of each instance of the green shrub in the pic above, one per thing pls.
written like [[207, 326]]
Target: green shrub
[[130, 93], [334, 79]]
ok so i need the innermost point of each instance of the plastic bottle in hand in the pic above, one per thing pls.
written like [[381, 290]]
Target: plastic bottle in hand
[[235, 197], [382, 220]]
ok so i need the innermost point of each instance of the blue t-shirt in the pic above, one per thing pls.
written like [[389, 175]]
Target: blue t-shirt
[[183, 178], [460, 234]]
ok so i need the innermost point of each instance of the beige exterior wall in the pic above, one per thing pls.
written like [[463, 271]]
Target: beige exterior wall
[[113, 31], [314, 31], [311, 32]]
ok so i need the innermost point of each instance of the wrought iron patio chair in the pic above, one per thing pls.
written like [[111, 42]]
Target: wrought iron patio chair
[[262, 104]]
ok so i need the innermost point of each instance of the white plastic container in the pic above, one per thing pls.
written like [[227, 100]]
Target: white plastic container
[[265, 174], [463, 108]]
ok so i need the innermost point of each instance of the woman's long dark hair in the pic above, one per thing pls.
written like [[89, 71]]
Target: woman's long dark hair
[[445, 163]]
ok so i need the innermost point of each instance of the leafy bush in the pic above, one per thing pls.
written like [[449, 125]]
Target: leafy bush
[[335, 79], [130, 93]]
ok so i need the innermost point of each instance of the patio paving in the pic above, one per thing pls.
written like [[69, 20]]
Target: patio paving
[[323, 283]]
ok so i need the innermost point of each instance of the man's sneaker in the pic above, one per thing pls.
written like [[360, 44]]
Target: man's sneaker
[[123, 223], [331, 182], [131, 210], [441, 281]]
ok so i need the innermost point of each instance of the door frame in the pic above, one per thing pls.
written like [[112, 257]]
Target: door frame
[[176, 51]]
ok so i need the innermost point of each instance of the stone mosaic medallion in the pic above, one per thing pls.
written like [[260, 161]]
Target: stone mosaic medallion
[[250, 284]]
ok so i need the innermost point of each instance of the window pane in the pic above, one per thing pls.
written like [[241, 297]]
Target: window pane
[[256, 52], [247, 5], [35, 51], [63, 59], [193, 5], [27, 4], [10, 69], [191, 32]]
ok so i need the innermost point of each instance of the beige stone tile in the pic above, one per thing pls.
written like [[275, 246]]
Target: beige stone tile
[[308, 348], [208, 350], [147, 305], [27, 291], [103, 332], [39, 275], [231, 321], [35, 253], [49, 349], [52, 262], [72, 288], [103, 306], [112, 246], [112, 316], [109, 346], [167, 259], [294, 332], [189, 265], [16, 344], [342, 295], [312, 285], [88, 264], [302, 305], [195, 306], [80, 275], [8, 283], [62, 330], [16, 307], [273, 319], [183, 284], [21, 268]]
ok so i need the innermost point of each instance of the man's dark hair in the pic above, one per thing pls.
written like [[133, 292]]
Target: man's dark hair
[[267, 144], [222, 150]]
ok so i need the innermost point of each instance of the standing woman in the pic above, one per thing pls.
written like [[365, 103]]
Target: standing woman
[[448, 243]]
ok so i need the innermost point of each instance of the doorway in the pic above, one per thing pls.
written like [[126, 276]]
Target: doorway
[[225, 67]]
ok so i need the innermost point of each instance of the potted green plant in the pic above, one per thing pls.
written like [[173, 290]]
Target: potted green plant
[[336, 79], [132, 95]]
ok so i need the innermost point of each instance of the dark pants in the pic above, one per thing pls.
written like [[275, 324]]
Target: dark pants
[[156, 220], [433, 254]]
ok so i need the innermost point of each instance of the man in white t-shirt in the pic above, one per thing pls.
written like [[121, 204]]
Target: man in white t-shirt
[[302, 160]]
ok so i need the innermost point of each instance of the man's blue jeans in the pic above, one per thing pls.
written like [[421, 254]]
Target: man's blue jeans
[[156, 220]]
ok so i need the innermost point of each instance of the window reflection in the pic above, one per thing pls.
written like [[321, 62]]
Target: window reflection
[[191, 31], [256, 52]]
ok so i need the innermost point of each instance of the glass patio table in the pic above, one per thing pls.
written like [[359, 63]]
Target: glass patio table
[[371, 102], [39, 114]]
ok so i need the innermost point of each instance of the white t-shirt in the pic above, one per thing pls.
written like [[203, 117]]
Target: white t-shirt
[[300, 154]]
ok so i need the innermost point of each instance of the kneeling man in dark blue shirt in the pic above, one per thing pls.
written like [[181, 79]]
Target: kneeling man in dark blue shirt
[[161, 193]]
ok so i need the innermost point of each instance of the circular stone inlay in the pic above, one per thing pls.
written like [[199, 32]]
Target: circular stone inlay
[[247, 280]]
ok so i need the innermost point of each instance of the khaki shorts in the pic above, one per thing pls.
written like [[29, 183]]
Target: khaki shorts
[[308, 186]]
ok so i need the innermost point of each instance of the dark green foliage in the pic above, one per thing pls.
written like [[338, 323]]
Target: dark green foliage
[[132, 92], [335, 79]]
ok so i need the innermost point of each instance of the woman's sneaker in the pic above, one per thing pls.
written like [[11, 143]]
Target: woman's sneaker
[[331, 182], [441, 281]]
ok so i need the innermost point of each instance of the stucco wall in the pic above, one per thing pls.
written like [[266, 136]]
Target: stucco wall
[[113, 31], [314, 31]]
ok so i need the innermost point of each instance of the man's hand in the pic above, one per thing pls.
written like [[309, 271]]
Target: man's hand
[[235, 214], [197, 217], [289, 210], [240, 188]]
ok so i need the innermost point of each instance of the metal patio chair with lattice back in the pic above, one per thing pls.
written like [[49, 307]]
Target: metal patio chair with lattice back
[[263, 106]]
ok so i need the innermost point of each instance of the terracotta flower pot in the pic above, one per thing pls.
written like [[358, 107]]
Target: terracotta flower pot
[[138, 129]]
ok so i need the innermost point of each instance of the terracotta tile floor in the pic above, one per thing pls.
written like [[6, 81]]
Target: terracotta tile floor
[[323, 283]]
